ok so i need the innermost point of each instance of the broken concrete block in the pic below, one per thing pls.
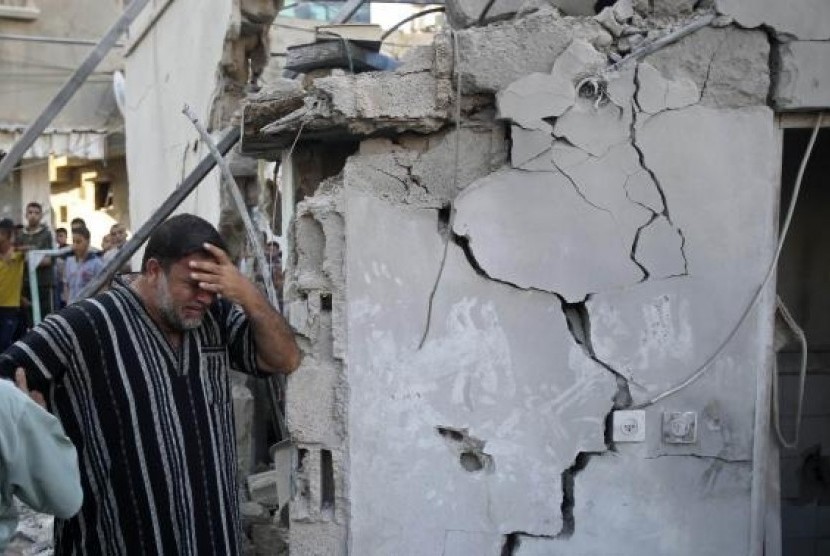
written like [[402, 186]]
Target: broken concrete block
[[494, 56], [803, 77], [656, 93], [262, 488], [730, 66], [660, 249], [269, 539], [362, 105], [802, 19], [575, 7], [417, 59], [549, 208], [475, 374], [464, 13]]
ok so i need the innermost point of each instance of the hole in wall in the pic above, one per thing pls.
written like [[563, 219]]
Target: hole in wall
[[471, 461], [325, 302], [302, 453], [326, 481]]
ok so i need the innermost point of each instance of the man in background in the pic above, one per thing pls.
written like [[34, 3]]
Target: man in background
[[36, 236], [12, 266], [81, 266]]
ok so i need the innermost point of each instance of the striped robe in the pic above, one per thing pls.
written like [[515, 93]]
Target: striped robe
[[153, 428]]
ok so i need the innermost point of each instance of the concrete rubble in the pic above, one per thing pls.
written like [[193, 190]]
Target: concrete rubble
[[476, 296]]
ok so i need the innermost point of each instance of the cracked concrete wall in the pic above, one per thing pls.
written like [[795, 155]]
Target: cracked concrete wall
[[615, 194], [597, 237]]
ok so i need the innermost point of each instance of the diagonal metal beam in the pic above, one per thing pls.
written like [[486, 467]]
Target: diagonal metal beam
[[69, 88]]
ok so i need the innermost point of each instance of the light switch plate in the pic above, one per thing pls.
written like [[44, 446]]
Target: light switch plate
[[629, 425], [680, 427]]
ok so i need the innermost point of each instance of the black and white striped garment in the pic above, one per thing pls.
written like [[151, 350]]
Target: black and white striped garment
[[153, 427]]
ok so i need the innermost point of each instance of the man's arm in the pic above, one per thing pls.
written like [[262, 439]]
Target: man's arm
[[276, 348]]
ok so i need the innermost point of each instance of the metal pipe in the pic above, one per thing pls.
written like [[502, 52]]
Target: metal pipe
[[52, 40]]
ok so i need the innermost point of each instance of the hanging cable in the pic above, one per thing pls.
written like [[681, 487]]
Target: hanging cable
[[802, 379], [407, 19], [704, 368]]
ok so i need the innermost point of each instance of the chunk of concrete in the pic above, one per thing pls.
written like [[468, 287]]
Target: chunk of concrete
[[464, 13], [262, 488], [656, 93], [729, 65], [803, 79], [577, 248], [593, 128], [361, 105], [802, 19], [497, 361], [660, 249], [609, 509], [492, 57], [533, 97], [673, 8], [529, 144]]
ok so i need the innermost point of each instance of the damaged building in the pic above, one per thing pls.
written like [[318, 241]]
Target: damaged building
[[532, 269]]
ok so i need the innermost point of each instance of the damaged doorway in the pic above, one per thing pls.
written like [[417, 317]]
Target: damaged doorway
[[804, 287]]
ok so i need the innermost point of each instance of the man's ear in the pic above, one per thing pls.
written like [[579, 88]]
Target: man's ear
[[153, 270]]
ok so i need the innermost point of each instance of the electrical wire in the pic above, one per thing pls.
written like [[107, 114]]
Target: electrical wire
[[802, 379], [456, 164], [705, 367], [409, 18]]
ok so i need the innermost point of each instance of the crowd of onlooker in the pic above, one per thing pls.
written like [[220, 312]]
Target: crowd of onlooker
[[59, 278]]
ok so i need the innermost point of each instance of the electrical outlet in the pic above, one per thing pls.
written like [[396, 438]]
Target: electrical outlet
[[629, 425], [680, 427]]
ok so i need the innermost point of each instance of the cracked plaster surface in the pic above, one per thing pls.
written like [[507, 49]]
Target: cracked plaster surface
[[613, 199], [803, 19], [498, 362], [706, 494]]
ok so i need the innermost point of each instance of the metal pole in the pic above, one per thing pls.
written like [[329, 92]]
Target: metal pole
[[51, 40], [69, 88], [226, 143], [238, 201]]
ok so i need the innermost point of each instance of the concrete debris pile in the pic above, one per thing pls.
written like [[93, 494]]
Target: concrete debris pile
[[34, 534], [480, 280]]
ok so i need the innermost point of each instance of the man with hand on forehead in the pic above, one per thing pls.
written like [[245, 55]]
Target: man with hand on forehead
[[138, 376]]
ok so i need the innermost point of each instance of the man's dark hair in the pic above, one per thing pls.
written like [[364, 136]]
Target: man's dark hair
[[83, 232], [7, 226], [77, 223], [178, 237], [33, 204], [60, 231]]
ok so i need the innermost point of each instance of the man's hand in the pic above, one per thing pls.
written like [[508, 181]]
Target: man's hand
[[20, 380], [277, 350], [222, 277]]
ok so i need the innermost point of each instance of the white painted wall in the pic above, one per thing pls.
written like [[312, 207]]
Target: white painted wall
[[175, 63]]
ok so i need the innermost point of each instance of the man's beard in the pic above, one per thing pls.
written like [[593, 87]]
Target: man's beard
[[168, 310]]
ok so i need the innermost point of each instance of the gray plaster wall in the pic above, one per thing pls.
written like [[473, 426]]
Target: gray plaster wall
[[603, 264]]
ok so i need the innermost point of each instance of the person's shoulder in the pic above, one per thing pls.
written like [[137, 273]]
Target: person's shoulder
[[12, 400]]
